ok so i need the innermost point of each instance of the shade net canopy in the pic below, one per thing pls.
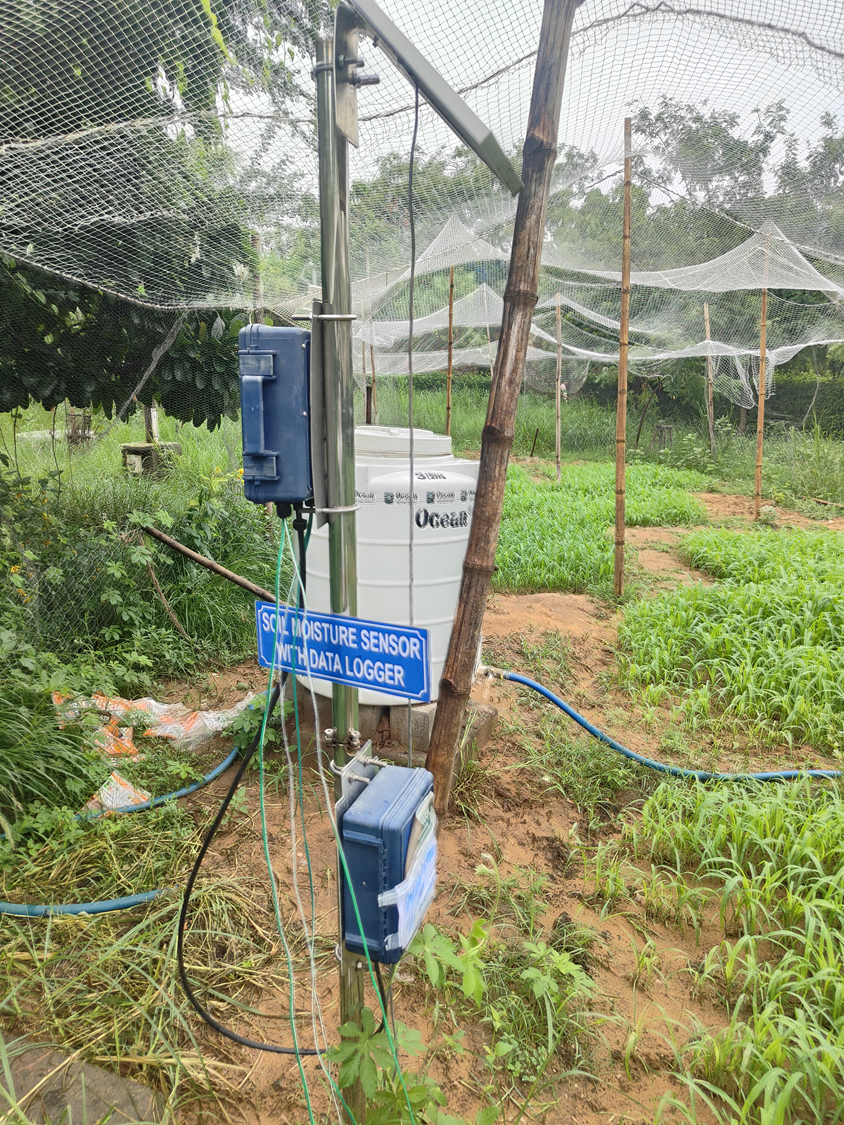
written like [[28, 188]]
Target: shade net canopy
[[164, 151]]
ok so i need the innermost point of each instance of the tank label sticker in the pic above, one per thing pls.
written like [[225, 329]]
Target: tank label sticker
[[400, 497], [345, 650], [364, 497], [430, 476]]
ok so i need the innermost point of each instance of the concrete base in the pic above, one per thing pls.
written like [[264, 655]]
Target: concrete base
[[373, 721], [387, 727], [475, 734], [51, 1086], [146, 458]]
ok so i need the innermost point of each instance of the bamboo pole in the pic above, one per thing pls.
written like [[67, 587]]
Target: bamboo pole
[[540, 152], [623, 348], [209, 564], [450, 350], [367, 389], [372, 365], [710, 406], [760, 409], [558, 388]]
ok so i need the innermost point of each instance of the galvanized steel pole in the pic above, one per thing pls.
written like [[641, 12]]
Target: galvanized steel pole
[[337, 351], [340, 449]]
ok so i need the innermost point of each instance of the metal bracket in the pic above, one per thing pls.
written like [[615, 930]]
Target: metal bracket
[[348, 63], [319, 460]]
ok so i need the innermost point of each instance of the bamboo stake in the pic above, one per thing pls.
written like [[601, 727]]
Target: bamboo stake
[[372, 365], [520, 297], [559, 380], [367, 389], [623, 348], [209, 564], [710, 407], [760, 409], [450, 350]]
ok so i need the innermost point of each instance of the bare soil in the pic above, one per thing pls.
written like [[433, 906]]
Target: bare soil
[[633, 1021]]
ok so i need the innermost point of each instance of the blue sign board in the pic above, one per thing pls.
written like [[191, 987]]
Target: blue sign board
[[393, 659]]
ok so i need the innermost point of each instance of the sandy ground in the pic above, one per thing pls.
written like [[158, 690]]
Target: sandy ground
[[522, 826]]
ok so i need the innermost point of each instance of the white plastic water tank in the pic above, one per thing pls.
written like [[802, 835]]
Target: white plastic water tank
[[443, 500]]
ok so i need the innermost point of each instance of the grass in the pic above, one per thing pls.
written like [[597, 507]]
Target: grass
[[763, 645], [556, 536], [39, 760], [586, 428], [78, 579], [107, 986], [772, 861], [544, 655]]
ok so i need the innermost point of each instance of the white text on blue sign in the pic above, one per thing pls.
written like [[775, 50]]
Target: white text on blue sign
[[345, 650]]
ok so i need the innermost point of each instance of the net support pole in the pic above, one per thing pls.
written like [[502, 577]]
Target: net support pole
[[520, 297], [710, 405], [374, 396], [623, 348], [450, 350], [760, 411], [335, 254], [557, 442]]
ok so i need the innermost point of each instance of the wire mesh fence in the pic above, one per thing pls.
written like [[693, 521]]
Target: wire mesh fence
[[158, 189]]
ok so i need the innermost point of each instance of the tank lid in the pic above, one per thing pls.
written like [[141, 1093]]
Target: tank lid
[[395, 440]]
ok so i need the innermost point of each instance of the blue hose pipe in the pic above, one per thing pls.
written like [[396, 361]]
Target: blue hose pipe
[[105, 906], [649, 763]]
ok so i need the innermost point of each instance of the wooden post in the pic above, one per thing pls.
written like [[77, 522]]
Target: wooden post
[[760, 407], [623, 347], [710, 407], [558, 388], [257, 282], [520, 296], [450, 350], [371, 349], [372, 365]]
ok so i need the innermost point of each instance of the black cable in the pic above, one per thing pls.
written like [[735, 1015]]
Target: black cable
[[299, 524]]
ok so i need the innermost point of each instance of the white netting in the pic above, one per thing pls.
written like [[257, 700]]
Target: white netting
[[158, 160], [165, 152]]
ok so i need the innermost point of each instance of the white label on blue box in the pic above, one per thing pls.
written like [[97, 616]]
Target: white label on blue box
[[346, 650]]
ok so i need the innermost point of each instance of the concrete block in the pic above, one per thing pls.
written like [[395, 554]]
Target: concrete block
[[478, 728], [476, 733], [372, 722], [421, 725]]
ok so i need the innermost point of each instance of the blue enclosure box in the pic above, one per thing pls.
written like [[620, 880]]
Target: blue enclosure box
[[390, 843], [275, 413]]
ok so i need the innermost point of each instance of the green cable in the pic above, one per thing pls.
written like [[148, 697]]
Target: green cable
[[372, 978], [265, 835]]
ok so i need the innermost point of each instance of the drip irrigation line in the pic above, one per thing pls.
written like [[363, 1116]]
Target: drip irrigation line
[[104, 906], [649, 763]]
